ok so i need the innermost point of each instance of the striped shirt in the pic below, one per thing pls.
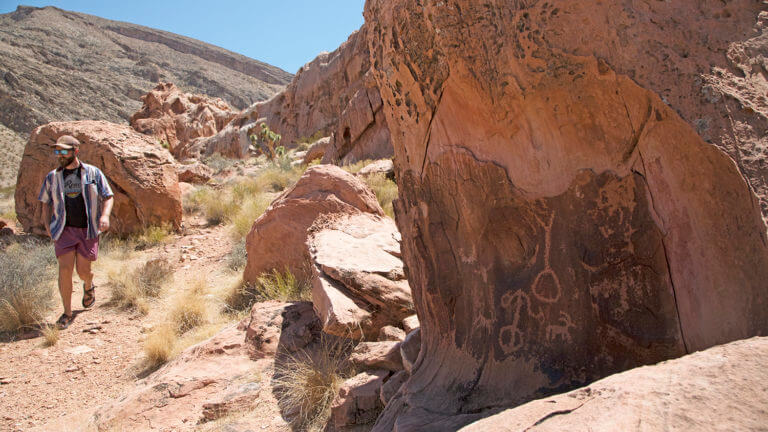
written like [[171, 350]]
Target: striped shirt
[[94, 186]]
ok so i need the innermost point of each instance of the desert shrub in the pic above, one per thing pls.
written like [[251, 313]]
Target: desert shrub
[[50, 335], [385, 190], [115, 247], [283, 286], [194, 200], [26, 294], [159, 344], [276, 178], [153, 235], [188, 311], [219, 163], [133, 288], [237, 257], [7, 205], [250, 210], [305, 384]]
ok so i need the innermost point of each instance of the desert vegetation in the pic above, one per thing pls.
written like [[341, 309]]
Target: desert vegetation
[[307, 382], [26, 284]]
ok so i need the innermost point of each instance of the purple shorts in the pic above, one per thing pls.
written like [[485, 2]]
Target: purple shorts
[[75, 239]]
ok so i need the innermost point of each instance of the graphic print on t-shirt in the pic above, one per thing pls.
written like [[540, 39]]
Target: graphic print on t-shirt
[[72, 186]]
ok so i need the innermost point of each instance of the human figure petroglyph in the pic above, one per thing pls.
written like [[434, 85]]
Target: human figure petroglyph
[[538, 286]]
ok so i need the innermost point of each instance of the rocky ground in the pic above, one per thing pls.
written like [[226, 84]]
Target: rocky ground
[[100, 355]]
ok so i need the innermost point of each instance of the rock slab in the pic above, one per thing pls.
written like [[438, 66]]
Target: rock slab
[[359, 283], [277, 239]]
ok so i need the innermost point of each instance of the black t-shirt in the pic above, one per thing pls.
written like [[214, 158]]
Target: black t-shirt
[[73, 198]]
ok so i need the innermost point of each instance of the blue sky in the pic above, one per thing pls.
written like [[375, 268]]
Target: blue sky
[[283, 33]]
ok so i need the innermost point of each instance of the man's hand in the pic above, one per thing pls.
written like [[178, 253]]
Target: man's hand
[[104, 223], [48, 231]]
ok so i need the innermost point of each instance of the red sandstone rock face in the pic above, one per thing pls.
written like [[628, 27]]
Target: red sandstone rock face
[[714, 389], [333, 94], [560, 221], [142, 175], [278, 238], [176, 118]]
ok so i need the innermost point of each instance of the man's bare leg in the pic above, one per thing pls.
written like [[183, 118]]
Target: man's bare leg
[[83, 266], [66, 268]]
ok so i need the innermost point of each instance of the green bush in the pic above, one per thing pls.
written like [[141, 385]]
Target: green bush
[[26, 281]]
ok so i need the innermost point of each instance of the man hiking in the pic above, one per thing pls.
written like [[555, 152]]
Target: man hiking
[[77, 201]]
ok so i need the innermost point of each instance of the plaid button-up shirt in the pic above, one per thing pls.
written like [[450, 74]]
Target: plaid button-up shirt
[[94, 186]]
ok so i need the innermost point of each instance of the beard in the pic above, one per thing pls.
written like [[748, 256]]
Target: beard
[[63, 162]]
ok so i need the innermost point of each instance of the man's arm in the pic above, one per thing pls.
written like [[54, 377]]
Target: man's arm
[[106, 210]]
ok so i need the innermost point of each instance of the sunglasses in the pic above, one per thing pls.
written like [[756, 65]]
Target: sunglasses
[[62, 152]]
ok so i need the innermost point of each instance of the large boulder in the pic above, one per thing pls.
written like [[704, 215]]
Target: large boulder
[[358, 283], [277, 239], [141, 173], [556, 201], [175, 118], [720, 389]]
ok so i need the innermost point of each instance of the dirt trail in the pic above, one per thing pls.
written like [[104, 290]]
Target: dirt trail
[[96, 358]]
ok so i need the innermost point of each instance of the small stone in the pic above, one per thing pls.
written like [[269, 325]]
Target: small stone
[[73, 368]]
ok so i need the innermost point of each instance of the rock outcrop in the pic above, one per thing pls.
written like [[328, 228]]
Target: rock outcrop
[[334, 95], [175, 118], [317, 149], [556, 201], [278, 238], [218, 376], [142, 174], [714, 389], [358, 282], [196, 173]]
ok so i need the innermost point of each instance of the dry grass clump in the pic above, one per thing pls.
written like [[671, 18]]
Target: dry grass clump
[[276, 178], [158, 346], [132, 289], [385, 190], [153, 235], [190, 310], [282, 286], [251, 208], [7, 205], [219, 163], [50, 335], [357, 166], [192, 317], [27, 273], [237, 257], [306, 384]]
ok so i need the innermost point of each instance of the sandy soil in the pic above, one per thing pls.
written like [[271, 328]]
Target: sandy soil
[[99, 356]]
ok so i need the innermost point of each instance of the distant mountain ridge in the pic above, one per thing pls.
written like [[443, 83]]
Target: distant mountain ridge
[[57, 65]]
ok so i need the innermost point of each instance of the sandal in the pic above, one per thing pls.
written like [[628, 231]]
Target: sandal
[[89, 296], [64, 321]]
